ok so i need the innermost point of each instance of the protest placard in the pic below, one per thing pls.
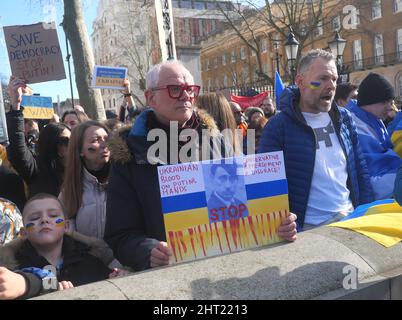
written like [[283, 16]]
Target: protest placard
[[34, 52], [3, 123], [216, 207], [37, 107], [109, 77]]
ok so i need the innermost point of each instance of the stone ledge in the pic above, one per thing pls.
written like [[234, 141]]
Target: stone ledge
[[310, 268]]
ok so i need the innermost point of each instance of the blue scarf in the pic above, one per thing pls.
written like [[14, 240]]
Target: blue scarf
[[377, 147]]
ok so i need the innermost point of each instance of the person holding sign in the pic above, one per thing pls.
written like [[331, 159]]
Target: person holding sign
[[134, 221], [326, 170], [44, 172]]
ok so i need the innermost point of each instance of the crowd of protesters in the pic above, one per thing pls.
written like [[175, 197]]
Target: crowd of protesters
[[79, 184]]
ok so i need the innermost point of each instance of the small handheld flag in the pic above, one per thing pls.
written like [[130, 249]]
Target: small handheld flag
[[279, 87]]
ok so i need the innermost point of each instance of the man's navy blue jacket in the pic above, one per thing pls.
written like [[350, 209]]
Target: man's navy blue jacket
[[289, 132]]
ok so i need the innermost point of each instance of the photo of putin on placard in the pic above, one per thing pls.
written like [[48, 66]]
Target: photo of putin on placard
[[225, 192]]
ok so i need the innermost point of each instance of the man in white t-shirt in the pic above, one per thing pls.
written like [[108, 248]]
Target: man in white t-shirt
[[326, 171]]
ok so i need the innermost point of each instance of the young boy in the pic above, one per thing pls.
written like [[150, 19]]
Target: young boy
[[44, 248]]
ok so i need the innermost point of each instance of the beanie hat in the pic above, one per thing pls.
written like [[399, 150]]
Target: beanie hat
[[251, 110], [375, 88]]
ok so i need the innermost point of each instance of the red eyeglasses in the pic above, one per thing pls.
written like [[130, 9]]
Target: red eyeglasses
[[176, 91]]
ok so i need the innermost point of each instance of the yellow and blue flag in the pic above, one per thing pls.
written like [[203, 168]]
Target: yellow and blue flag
[[191, 231], [380, 220]]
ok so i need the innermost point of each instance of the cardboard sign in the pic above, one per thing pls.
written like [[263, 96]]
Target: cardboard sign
[[109, 77], [34, 52], [37, 107], [214, 207], [3, 123]]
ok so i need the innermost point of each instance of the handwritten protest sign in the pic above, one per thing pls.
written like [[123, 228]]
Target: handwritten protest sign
[[34, 52], [216, 207], [109, 77], [3, 123], [36, 107]]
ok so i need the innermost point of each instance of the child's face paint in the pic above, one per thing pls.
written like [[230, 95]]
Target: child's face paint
[[29, 227], [60, 223], [44, 222]]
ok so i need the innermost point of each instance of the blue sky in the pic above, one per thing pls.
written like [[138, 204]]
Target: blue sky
[[19, 12]]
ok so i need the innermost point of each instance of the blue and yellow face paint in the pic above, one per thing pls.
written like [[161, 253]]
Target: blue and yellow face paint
[[60, 223], [314, 85], [29, 227]]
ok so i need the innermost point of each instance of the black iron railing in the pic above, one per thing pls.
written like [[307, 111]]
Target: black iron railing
[[374, 62], [249, 89]]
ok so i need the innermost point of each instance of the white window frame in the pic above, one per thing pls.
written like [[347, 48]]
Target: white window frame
[[225, 80], [265, 68], [242, 53], [264, 45], [336, 23], [319, 30], [376, 10], [233, 56], [357, 54], [399, 44], [379, 48], [399, 86], [397, 6]]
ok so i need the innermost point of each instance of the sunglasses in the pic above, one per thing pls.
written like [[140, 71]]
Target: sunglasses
[[63, 141], [176, 91]]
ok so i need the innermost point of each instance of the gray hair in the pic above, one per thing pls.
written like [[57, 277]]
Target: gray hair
[[154, 72], [307, 60]]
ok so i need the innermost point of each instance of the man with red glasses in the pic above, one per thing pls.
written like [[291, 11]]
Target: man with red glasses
[[134, 220]]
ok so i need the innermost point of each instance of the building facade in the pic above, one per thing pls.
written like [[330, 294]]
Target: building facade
[[122, 38], [372, 29], [125, 35]]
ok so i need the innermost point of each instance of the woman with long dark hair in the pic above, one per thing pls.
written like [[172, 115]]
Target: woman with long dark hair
[[43, 172], [86, 177]]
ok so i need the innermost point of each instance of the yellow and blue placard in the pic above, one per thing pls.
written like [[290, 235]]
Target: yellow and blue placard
[[187, 194], [109, 77], [37, 107]]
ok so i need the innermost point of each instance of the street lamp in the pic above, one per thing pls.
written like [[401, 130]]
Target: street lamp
[[276, 48], [291, 47], [337, 46]]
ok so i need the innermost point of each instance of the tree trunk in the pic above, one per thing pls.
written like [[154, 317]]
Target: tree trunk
[[77, 34]]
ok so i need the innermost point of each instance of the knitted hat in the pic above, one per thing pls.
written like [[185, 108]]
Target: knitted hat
[[251, 110], [375, 88]]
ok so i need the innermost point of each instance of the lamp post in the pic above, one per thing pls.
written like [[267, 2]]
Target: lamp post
[[291, 47], [337, 46], [276, 48]]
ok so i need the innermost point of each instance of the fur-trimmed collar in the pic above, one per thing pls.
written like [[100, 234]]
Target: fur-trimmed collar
[[97, 247], [120, 151]]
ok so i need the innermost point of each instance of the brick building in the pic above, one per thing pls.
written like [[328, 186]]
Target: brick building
[[372, 29]]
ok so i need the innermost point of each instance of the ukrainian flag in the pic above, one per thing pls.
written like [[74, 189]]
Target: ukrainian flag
[[37, 107], [191, 234], [395, 131], [380, 220]]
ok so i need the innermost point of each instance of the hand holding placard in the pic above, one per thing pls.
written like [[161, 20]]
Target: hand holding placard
[[16, 89]]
